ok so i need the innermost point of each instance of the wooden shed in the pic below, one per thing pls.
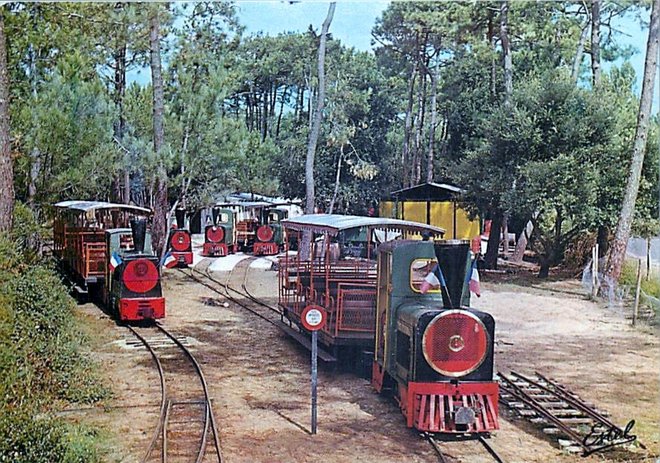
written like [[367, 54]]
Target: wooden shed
[[433, 204]]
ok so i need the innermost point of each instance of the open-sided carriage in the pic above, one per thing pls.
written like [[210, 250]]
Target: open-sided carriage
[[79, 243], [339, 273]]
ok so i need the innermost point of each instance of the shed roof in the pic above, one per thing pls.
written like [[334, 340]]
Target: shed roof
[[427, 192], [85, 206], [334, 223]]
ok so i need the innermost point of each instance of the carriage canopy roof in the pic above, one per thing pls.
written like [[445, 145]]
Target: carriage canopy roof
[[84, 206], [334, 223], [246, 204]]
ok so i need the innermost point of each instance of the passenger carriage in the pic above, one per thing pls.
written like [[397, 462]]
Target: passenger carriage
[[79, 243], [339, 272]]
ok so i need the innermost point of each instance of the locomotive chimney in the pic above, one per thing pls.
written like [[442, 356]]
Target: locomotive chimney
[[139, 231], [453, 257], [180, 218], [216, 214]]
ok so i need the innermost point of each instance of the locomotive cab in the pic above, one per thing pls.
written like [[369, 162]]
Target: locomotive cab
[[219, 237], [435, 352], [132, 276], [270, 235]]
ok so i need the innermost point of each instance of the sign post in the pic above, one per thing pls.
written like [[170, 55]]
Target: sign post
[[313, 318]]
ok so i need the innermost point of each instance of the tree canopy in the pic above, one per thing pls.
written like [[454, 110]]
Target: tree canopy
[[500, 98]]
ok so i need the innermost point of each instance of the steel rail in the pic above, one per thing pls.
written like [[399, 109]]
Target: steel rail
[[252, 297], [436, 447], [163, 403], [568, 397], [209, 409], [229, 297], [246, 293], [621, 435], [518, 393], [489, 449]]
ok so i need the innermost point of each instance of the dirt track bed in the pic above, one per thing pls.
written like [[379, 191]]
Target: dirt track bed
[[260, 380]]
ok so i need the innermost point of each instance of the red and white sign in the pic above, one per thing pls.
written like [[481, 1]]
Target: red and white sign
[[313, 317]]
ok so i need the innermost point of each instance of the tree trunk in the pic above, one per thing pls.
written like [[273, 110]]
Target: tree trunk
[[579, 52], [6, 165], [35, 169], [315, 129], [159, 226], [318, 116], [603, 240], [493, 48], [407, 128], [120, 92], [434, 122], [337, 179], [521, 243], [506, 51], [618, 250], [492, 251], [595, 42], [421, 112]]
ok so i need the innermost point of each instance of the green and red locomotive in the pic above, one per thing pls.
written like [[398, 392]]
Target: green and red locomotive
[[98, 252], [179, 241], [434, 351], [394, 289]]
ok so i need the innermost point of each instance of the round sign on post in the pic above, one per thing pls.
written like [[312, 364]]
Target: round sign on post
[[313, 317]]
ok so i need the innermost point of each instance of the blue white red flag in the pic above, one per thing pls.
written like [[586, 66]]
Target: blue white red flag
[[474, 283], [115, 261], [433, 280], [169, 260]]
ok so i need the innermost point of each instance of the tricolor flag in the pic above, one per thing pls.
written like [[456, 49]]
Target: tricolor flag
[[473, 284], [169, 260], [433, 280], [115, 260]]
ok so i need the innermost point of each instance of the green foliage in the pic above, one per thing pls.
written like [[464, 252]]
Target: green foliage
[[42, 365], [629, 278], [26, 439], [69, 122]]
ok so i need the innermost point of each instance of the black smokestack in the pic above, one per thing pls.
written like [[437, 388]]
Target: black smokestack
[[216, 214], [139, 231], [453, 256], [180, 218]]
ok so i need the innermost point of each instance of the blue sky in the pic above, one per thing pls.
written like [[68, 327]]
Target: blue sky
[[352, 22]]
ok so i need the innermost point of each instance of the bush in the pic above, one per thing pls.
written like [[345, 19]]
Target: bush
[[24, 439], [41, 364]]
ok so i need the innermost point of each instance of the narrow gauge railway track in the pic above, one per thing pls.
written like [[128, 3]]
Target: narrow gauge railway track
[[562, 412], [252, 304], [443, 458], [186, 414], [229, 292]]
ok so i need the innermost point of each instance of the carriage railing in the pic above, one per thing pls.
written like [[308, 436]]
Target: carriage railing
[[85, 251], [345, 288]]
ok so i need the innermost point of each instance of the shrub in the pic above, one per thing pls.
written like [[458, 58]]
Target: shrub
[[41, 364]]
